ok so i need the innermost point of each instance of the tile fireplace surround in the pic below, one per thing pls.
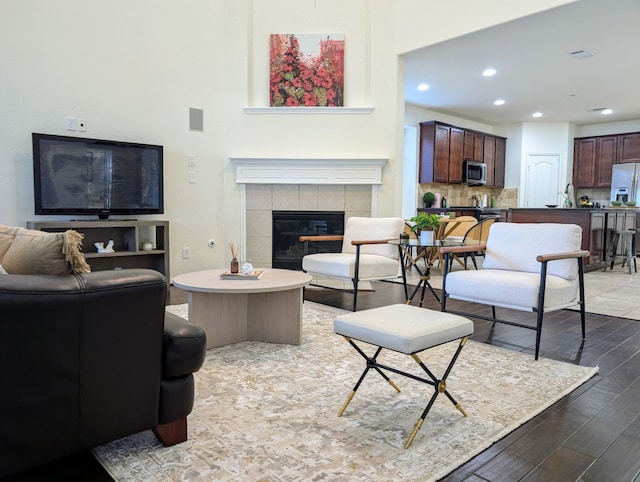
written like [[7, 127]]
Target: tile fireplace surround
[[301, 185]]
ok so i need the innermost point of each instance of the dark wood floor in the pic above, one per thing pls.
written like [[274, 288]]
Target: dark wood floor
[[593, 434]]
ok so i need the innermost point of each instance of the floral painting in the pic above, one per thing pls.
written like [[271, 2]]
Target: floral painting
[[306, 70]]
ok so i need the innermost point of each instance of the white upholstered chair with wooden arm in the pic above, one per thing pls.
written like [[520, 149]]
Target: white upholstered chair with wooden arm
[[536, 267], [365, 255]]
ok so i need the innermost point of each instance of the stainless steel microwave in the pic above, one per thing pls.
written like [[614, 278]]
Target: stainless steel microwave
[[475, 173]]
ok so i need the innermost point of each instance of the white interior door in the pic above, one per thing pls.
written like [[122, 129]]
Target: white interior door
[[543, 180]]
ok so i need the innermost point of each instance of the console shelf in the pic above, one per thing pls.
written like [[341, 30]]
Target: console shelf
[[128, 237]]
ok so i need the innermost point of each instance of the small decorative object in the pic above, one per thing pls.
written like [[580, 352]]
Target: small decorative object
[[147, 246], [234, 258], [616, 203], [105, 249], [493, 202], [443, 202], [630, 203], [404, 237], [247, 268], [428, 199]]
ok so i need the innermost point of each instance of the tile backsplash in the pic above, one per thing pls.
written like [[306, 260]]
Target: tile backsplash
[[462, 195]]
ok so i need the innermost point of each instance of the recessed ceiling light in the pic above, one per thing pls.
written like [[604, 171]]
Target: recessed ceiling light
[[423, 87], [537, 114], [607, 111], [489, 72], [499, 102]]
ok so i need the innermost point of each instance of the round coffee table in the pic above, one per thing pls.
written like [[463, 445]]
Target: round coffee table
[[266, 309]]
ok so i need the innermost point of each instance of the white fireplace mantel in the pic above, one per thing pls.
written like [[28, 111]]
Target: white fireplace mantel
[[261, 170]]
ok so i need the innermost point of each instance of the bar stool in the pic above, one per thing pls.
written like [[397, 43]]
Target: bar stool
[[628, 248], [630, 252]]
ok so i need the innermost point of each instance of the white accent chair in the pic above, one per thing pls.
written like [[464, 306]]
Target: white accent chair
[[365, 256], [537, 267]]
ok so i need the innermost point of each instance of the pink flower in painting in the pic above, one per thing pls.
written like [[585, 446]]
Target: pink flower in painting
[[309, 99], [296, 79]]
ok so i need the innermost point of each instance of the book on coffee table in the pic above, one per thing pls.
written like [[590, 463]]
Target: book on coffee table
[[255, 274]]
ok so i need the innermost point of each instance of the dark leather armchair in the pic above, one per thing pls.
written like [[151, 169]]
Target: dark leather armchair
[[87, 359]]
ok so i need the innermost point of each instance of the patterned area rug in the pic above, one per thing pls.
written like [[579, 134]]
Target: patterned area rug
[[267, 412]]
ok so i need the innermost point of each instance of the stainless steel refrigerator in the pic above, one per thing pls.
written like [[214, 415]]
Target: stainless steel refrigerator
[[624, 182]]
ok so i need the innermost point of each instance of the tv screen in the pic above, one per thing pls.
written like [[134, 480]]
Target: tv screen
[[77, 176]]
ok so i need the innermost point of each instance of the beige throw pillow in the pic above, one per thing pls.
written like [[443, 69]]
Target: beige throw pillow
[[7, 235], [38, 252]]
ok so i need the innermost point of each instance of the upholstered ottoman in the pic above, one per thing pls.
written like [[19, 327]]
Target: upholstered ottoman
[[405, 329]]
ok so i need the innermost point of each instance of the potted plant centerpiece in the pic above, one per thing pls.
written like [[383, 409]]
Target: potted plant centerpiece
[[425, 226], [428, 198]]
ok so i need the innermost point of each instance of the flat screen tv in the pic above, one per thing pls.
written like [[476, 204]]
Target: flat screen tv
[[79, 176]]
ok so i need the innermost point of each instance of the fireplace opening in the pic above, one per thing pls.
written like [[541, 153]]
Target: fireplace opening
[[288, 226]]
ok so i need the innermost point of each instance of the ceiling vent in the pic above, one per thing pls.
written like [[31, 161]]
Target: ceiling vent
[[581, 54], [597, 109]]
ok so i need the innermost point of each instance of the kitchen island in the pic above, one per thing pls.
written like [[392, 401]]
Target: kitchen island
[[596, 225]]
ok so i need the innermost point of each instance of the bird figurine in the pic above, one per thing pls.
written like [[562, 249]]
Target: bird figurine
[[105, 249]]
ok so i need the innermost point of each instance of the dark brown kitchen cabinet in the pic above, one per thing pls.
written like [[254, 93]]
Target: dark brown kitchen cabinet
[[434, 152], [488, 157], [629, 147], [593, 158], [607, 148], [468, 144], [456, 155], [443, 149], [501, 150], [478, 146], [584, 162]]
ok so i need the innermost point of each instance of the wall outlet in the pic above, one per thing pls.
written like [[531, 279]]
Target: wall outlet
[[212, 243], [186, 252], [81, 124], [192, 177]]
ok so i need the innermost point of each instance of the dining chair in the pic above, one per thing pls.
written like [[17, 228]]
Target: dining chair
[[475, 235], [461, 224], [454, 230]]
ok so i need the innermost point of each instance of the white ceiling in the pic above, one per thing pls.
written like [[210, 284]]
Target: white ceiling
[[535, 71]]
